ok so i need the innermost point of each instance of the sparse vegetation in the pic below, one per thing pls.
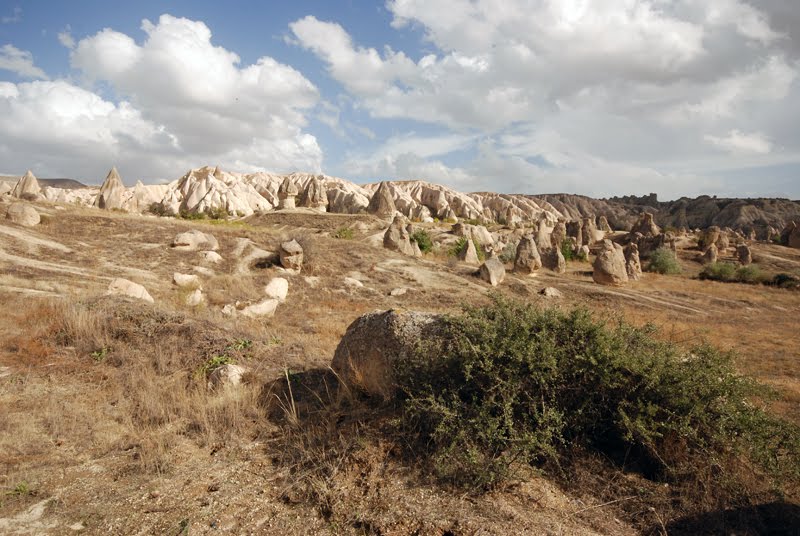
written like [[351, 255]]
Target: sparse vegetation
[[509, 252], [189, 215], [423, 240], [567, 250], [344, 233], [217, 213], [511, 384], [664, 261], [729, 273], [461, 244], [160, 209]]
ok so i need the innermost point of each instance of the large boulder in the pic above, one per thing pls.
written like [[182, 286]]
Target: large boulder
[[278, 289], [195, 240], [366, 354], [609, 265], [396, 237], [633, 265], [492, 271], [711, 254], [27, 187], [708, 237], [382, 203], [123, 287], [744, 254], [291, 255], [23, 214], [111, 192], [554, 260], [646, 226], [527, 259]]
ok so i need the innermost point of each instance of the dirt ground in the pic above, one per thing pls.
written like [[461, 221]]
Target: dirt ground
[[117, 435]]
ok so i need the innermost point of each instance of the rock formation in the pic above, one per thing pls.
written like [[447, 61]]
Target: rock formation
[[492, 271], [124, 287], [527, 259], [633, 266], [315, 196], [711, 254], [552, 259], [609, 267], [382, 204], [195, 240], [396, 237], [287, 194], [744, 254], [468, 253], [112, 192], [291, 255], [27, 187], [23, 214]]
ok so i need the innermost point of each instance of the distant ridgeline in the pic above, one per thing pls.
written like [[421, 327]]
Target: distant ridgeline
[[212, 190]]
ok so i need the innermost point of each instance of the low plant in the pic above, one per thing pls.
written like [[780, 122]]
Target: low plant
[[213, 363], [461, 244], [160, 209], [510, 385], [509, 252], [567, 250], [423, 240], [344, 233], [189, 215], [217, 213], [664, 261], [728, 272]]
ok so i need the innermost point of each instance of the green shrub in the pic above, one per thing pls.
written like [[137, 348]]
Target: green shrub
[[423, 240], [344, 233], [217, 213], [718, 271], [567, 250], [664, 261], [188, 215], [459, 246], [750, 274], [510, 383], [509, 253], [160, 209]]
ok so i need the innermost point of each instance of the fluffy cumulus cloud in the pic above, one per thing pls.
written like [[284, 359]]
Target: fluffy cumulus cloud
[[19, 62], [608, 96], [175, 100]]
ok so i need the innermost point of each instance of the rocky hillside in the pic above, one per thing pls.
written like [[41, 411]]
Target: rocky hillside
[[212, 190]]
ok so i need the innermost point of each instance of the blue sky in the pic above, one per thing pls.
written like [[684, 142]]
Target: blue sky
[[532, 96]]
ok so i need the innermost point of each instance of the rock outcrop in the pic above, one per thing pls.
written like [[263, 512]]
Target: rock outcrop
[[468, 253], [609, 266], [23, 214], [366, 354], [790, 236], [492, 271], [382, 203], [744, 254], [711, 254], [396, 237], [527, 259], [633, 265], [112, 192], [287, 194], [27, 187], [554, 260]]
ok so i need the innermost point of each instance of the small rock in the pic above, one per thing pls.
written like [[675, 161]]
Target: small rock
[[278, 289], [195, 240], [226, 376], [291, 255], [551, 292], [212, 257], [493, 272], [398, 291], [185, 280], [123, 287], [312, 281], [265, 308], [195, 298], [202, 270], [353, 283]]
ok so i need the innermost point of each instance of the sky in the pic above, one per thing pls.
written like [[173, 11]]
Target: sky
[[594, 97]]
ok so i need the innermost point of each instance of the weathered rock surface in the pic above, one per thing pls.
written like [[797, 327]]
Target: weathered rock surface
[[492, 271], [124, 287], [551, 292], [527, 260], [468, 253], [633, 265], [23, 214], [112, 192], [744, 254], [263, 309], [711, 254], [609, 266], [396, 237], [195, 240], [277, 288], [226, 376], [27, 187], [291, 255], [554, 260], [185, 280], [382, 203], [371, 345]]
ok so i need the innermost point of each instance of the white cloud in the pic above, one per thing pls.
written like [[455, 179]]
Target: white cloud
[[16, 16], [19, 62], [740, 142], [65, 38]]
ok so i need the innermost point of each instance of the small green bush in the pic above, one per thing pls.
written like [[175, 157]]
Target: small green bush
[[664, 261], [750, 274], [160, 209], [188, 215], [344, 233], [567, 250], [423, 240], [459, 246], [718, 271], [510, 383], [218, 213]]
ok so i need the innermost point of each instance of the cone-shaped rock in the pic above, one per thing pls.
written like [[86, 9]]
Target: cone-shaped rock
[[110, 195], [315, 195], [27, 185], [382, 204]]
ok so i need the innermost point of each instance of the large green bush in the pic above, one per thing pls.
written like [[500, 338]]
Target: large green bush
[[729, 273], [423, 240], [664, 261], [511, 383]]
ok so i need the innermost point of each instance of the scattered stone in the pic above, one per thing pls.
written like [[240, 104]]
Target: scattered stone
[[202, 270], [265, 308], [23, 214], [312, 281], [744, 254], [551, 292], [353, 283], [373, 342], [195, 298], [124, 287], [527, 260], [609, 266], [277, 288], [195, 240], [212, 256], [554, 260], [400, 291], [226, 376], [711, 254], [492, 271], [633, 265], [185, 280], [291, 255], [468, 253], [382, 203]]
